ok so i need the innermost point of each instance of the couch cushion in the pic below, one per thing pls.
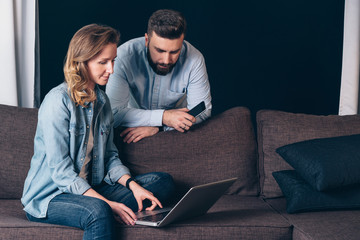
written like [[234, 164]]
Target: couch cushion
[[325, 225], [277, 128], [14, 225], [325, 163], [17, 131], [232, 216], [301, 197], [222, 147]]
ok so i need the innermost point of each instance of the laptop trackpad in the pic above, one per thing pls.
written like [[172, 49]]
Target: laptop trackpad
[[154, 216]]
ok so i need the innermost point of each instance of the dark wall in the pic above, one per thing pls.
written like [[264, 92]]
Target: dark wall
[[277, 54]]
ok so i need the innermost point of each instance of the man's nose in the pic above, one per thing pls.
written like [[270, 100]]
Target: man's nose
[[167, 58]]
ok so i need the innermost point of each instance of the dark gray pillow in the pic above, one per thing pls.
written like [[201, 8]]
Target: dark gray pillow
[[277, 128], [325, 163], [301, 197]]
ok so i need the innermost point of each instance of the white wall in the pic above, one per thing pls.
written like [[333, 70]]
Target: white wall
[[17, 47]]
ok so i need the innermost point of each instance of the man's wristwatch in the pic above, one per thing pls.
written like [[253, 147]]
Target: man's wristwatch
[[128, 182]]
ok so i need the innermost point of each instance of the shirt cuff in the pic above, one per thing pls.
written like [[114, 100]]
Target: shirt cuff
[[79, 186], [166, 128], [115, 174], [156, 117]]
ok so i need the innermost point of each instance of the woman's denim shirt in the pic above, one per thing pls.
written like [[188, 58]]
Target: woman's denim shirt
[[60, 147]]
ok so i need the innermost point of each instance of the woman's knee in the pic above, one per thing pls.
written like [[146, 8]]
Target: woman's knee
[[99, 208], [167, 181], [100, 220], [99, 212], [159, 183], [154, 177]]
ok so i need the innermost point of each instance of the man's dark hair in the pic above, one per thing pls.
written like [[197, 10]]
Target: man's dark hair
[[167, 23]]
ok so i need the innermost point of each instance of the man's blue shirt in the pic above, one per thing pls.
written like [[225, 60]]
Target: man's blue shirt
[[139, 96]]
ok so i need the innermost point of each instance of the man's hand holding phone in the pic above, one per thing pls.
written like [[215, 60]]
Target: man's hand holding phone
[[182, 119]]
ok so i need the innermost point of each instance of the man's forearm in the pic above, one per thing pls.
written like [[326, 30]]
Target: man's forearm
[[132, 117]]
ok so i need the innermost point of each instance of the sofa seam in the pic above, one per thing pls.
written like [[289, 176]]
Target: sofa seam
[[288, 220]]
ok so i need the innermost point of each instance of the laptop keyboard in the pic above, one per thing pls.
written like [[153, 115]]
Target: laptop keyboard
[[154, 218]]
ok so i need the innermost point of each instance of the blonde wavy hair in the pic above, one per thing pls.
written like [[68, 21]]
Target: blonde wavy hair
[[86, 43]]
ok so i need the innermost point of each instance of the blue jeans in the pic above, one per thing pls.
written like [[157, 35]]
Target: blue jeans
[[95, 216]]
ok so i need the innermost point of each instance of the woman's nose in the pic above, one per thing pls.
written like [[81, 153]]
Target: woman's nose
[[110, 67]]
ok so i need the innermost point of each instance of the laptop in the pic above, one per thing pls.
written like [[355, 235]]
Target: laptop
[[197, 201]]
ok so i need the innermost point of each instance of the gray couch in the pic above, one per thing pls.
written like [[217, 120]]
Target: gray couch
[[227, 145]]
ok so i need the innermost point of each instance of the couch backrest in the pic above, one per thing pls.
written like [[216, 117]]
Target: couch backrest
[[224, 146], [17, 131], [277, 128]]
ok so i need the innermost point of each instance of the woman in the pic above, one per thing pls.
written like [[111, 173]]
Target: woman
[[76, 178]]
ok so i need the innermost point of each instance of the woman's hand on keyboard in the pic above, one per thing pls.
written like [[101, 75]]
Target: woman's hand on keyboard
[[141, 194]]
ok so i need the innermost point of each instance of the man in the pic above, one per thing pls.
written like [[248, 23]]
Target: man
[[157, 79]]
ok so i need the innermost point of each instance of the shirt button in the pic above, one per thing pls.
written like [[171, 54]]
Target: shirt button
[[82, 159], [95, 156], [87, 126]]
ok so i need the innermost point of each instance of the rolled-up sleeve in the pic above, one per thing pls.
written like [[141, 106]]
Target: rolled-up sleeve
[[114, 168], [199, 88], [118, 91]]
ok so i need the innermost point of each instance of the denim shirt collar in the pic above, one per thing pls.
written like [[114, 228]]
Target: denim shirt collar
[[100, 98]]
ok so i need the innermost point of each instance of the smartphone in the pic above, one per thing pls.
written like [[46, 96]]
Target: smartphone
[[197, 109]]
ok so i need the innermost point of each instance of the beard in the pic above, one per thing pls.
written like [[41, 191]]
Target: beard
[[165, 69]]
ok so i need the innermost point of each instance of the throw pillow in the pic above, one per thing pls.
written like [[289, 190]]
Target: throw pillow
[[301, 197], [325, 163]]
